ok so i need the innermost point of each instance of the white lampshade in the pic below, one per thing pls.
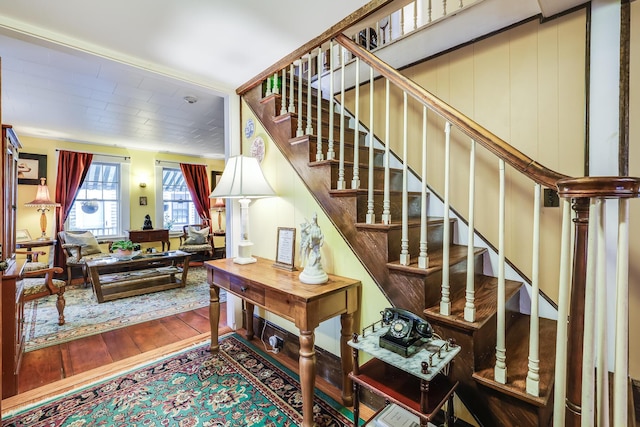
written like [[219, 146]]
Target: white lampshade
[[242, 178]]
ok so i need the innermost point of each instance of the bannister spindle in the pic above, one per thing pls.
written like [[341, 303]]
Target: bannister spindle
[[423, 256], [564, 279], [355, 181], [299, 130], [470, 298], [602, 365], [309, 130], [283, 101], [588, 359], [275, 90], [405, 258], [621, 364], [371, 215], [533, 374], [292, 106], [500, 371], [386, 204], [268, 91], [330, 151], [341, 182], [319, 154], [445, 302]]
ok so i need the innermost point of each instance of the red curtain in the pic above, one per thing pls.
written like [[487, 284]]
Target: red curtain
[[72, 170], [198, 184]]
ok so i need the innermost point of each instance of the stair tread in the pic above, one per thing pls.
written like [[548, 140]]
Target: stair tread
[[517, 365], [457, 253], [486, 288]]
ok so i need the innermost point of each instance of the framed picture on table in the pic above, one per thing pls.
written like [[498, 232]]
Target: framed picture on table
[[286, 249]]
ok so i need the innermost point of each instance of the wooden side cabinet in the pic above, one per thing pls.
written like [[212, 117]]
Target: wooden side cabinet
[[12, 330], [155, 235]]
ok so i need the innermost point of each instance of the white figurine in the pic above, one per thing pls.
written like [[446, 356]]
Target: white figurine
[[312, 240]]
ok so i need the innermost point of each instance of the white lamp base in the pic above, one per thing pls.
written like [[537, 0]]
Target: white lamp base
[[244, 253]]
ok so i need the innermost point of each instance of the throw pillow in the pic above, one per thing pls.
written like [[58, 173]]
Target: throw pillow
[[197, 237], [87, 241]]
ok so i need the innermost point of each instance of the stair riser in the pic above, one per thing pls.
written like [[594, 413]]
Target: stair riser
[[457, 281], [363, 152], [395, 207], [348, 132], [395, 177]]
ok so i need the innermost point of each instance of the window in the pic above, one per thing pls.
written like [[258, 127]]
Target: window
[[102, 200], [178, 207]]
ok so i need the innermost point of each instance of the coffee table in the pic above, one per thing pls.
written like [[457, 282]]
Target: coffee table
[[114, 278]]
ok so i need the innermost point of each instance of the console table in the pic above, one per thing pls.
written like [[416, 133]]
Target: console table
[[155, 235], [280, 292]]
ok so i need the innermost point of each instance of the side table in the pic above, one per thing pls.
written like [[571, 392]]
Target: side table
[[28, 245], [419, 383], [155, 235]]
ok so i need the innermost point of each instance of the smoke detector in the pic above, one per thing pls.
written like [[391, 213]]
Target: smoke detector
[[189, 99]]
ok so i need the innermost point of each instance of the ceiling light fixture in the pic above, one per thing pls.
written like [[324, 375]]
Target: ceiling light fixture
[[189, 99]]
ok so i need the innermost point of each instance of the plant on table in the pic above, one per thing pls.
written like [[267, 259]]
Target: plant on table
[[122, 246]]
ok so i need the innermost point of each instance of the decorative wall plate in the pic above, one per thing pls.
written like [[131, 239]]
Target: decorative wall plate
[[249, 128], [257, 149]]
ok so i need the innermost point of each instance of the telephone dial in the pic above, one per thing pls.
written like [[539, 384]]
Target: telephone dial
[[406, 333]]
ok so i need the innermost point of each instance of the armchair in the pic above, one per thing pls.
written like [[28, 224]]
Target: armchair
[[198, 238], [38, 283], [80, 246]]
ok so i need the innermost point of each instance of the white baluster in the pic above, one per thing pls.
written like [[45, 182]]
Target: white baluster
[[533, 374], [500, 371], [621, 363], [268, 92], [371, 216], [319, 155], [402, 31], [386, 203], [309, 130], [299, 130], [292, 107], [560, 381], [602, 368], [275, 90], [423, 257], [355, 181], [588, 360], [341, 182], [470, 304], [445, 302], [405, 258], [283, 101], [330, 152]]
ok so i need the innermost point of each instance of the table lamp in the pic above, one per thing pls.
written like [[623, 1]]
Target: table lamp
[[43, 203], [219, 207], [243, 179]]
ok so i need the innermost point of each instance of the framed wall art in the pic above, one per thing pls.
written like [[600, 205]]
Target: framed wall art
[[31, 167], [286, 249], [143, 200]]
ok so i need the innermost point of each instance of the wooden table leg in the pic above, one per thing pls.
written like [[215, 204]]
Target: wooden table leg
[[346, 322], [307, 376], [214, 316], [248, 320]]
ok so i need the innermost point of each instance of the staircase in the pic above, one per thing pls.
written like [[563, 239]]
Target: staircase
[[417, 289]]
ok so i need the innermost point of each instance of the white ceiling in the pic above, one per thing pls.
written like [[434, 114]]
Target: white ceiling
[[116, 72]]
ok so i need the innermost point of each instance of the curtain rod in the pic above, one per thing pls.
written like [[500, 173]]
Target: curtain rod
[[98, 154], [172, 163]]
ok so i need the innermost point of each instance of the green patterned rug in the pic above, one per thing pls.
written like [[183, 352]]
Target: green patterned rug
[[240, 386], [85, 317]]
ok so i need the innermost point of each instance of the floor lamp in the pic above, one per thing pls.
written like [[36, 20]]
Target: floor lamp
[[243, 179], [43, 203]]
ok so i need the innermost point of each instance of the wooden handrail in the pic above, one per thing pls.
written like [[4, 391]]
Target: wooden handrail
[[349, 21], [481, 135]]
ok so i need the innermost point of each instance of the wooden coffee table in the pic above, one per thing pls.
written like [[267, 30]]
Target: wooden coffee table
[[113, 278]]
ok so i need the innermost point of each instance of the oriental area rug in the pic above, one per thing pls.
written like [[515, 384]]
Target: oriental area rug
[[239, 386], [84, 316]]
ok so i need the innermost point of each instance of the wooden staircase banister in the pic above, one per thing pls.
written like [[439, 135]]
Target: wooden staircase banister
[[355, 17], [512, 156]]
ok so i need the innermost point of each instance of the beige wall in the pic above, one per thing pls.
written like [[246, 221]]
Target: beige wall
[[142, 168], [526, 85]]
